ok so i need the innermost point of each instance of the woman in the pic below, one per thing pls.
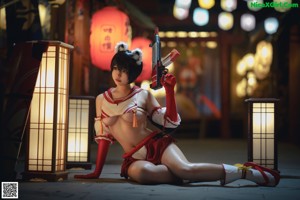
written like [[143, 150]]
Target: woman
[[153, 157]]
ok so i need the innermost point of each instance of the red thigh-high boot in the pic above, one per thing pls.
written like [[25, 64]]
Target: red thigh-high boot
[[103, 146], [169, 81]]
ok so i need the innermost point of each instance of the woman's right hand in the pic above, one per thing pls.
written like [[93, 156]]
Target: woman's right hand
[[169, 82]]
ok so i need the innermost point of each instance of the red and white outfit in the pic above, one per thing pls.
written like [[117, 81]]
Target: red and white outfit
[[153, 146]]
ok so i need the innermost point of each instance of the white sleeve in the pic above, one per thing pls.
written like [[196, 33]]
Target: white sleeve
[[158, 116]]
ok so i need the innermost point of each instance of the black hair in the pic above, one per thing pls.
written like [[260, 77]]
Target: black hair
[[128, 61]]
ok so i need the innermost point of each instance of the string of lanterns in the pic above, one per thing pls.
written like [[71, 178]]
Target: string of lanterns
[[252, 67], [225, 19]]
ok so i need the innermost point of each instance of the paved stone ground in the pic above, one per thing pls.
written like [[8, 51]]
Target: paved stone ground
[[111, 186]]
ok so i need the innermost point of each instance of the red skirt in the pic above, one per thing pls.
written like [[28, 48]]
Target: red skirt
[[155, 148]]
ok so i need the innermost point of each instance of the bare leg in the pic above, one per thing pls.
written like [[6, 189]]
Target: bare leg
[[174, 167], [174, 159], [145, 172]]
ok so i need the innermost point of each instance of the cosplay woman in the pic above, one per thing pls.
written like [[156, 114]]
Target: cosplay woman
[[152, 157]]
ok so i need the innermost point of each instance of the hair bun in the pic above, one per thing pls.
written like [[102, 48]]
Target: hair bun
[[121, 46], [137, 55]]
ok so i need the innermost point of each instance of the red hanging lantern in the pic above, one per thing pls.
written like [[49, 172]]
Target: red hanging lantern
[[109, 26], [143, 44]]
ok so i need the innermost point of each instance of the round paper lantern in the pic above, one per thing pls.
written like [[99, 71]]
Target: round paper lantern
[[206, 4], [249, 61], [180, 13], [108, 27], [271, 25], [200, 16], [241, 88], [247, 22], [241, 67], [263, 59], [143, 44], [225, 20], [183, 3], [261, 71], [264, 52], [228, 5]]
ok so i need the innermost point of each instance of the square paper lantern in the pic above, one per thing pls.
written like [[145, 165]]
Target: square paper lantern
[[262, 133], [46, 147], [81, 115]]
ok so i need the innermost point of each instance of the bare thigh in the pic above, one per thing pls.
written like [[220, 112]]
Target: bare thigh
[[145, 172], [177, 163], [174, 168]]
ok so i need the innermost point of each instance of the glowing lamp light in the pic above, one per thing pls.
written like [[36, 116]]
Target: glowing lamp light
[[251, 80], [211, 44], [225, 20], [285, 5], [80, 131], [42, 14], [143, 44], [262, 131], [241, 67], [241, 88], [255, 5], [271, 25], [145, 85], [159, 93], [263, 59], [183, 3], [170, 34], [264, 52], [46, 148], [261, 71], [200, 16], [56, 3], [249, 61], [108, 27], [247, 22], [206, 4], [250, 83], [228, 5], [59, 2], [2, 18], [180, 13], [182, 34]]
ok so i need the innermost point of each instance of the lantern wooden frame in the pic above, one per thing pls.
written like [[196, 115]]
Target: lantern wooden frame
[[81, 115], [262, 131], [46, 140]]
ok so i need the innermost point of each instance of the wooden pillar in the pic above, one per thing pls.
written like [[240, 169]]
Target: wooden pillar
[[294, 84], [81, 54], [57, 22], [225, 84], [226, 40], [77, 34]]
